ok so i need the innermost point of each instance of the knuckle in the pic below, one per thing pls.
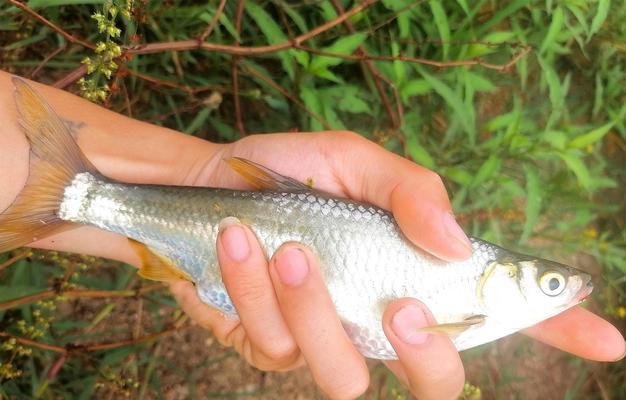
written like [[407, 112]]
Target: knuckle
[[228, 335], [282, 352], [249, 293], [349, 139], [433, 179]]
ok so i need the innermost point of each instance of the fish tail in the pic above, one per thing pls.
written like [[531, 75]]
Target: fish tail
[[55, 159]]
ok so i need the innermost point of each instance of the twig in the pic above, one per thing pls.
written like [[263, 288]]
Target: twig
[[184, 88], [51, 25], [369, 66], [288, 95], [71, 77], [14, 259], [34, 343], [193, 44], [70, 349], [439, 64], [235, 73], [78, 293], [46, 59], [27, 299], [213, 23]]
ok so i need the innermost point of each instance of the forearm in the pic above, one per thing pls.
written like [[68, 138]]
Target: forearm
[[120, 147]]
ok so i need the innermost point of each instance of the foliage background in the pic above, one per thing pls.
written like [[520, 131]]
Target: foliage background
[[532, 152]]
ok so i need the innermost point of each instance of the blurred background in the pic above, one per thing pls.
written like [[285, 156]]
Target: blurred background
[[519, 105]]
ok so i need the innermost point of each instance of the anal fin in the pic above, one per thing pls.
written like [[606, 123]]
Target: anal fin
[[155, 266]]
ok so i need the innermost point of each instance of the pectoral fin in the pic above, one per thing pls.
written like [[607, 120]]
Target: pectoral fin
[[454, 328], [157, 267], [264, 178]]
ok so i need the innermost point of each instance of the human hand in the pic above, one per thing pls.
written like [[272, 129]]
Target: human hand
[[342, 163], [282, 324]]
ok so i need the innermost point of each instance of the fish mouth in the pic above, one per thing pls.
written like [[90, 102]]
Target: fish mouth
[[585, 291]]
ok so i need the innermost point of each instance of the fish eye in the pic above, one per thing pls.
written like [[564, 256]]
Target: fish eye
[[552, 283]]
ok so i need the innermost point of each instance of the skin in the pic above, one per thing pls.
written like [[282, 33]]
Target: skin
[[287, 318]]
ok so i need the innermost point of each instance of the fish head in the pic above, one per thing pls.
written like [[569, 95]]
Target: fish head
[[518, 291]]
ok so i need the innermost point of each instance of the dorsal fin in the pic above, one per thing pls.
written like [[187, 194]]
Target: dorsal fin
[[263, 178]]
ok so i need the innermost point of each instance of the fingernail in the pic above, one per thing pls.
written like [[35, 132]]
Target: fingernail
[[454, 230], [406, 322], [292, 266], [234, 239]]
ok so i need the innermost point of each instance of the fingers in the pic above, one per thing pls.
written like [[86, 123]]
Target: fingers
[[335, 364], [205, 316], [415, 195], [245, 274], [583, 333], [428, 363]]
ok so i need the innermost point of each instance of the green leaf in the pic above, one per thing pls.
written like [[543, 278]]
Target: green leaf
[[198, 121], [327, 74], [590, 137], [441, 21], [480, 49], [600, 17], [463, 4], [554, 84], [353, 104], [311, 100], [293, 14], [575, 163], [553, 30], [345, 45], [453, 100], [479, 83], [487, 170], [274, 35], [598, 96], [511, 8], [416, 87], [557, 139], [418, 153], [458, 175], [533, 202], [580, 17]]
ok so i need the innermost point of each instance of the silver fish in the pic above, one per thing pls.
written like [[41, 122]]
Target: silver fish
[[366, 261]]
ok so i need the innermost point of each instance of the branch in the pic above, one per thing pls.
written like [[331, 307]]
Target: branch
[[235, 73], [439, 64], [14, 259], [162, 82], [193, 44], [78, 293], [47, 59], [213, 23], [69, 37], [371, 68], [71, 77], [72, 349]]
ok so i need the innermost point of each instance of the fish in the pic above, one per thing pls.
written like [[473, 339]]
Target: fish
[[365, 259]]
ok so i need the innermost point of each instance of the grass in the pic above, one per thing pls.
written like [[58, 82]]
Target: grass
[[530, 141]]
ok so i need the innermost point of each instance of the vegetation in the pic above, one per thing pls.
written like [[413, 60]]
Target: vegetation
[[519, 105]]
